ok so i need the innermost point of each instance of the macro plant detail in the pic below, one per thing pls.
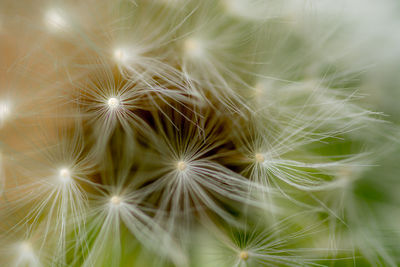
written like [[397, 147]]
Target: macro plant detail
[[194, 133]]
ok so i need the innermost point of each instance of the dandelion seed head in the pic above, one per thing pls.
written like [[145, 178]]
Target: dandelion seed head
[[259, 158], [55, 20], [181, 165], [113, 103], [244, 255], [202, 163], [115, 200]]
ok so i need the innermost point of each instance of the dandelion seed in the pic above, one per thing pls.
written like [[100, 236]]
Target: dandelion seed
[[5, 112], [65, 175], [259, 158], [195, 177], [172, 3], [244, 255], [277, 244], [193, 47], [26, 255], [26, 247], [121, 55], [254, 9], [181, 165], [108, 219], [115, 200], [113, 103], [234, 6], [259, 89], [55, 20]]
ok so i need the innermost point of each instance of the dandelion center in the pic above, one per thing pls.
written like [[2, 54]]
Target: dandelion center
[[181, 165], [244, 255], [115, 200], [64, 174], [26, 247], [258, 89], [113, 103], [259, 158], [54, 20], [193, 47], [120, 55], [4, 111]]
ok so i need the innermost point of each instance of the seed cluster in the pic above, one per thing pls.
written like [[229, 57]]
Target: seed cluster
[[175, 133]]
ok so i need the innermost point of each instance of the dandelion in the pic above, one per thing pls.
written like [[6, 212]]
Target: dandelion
[[192, 133]]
